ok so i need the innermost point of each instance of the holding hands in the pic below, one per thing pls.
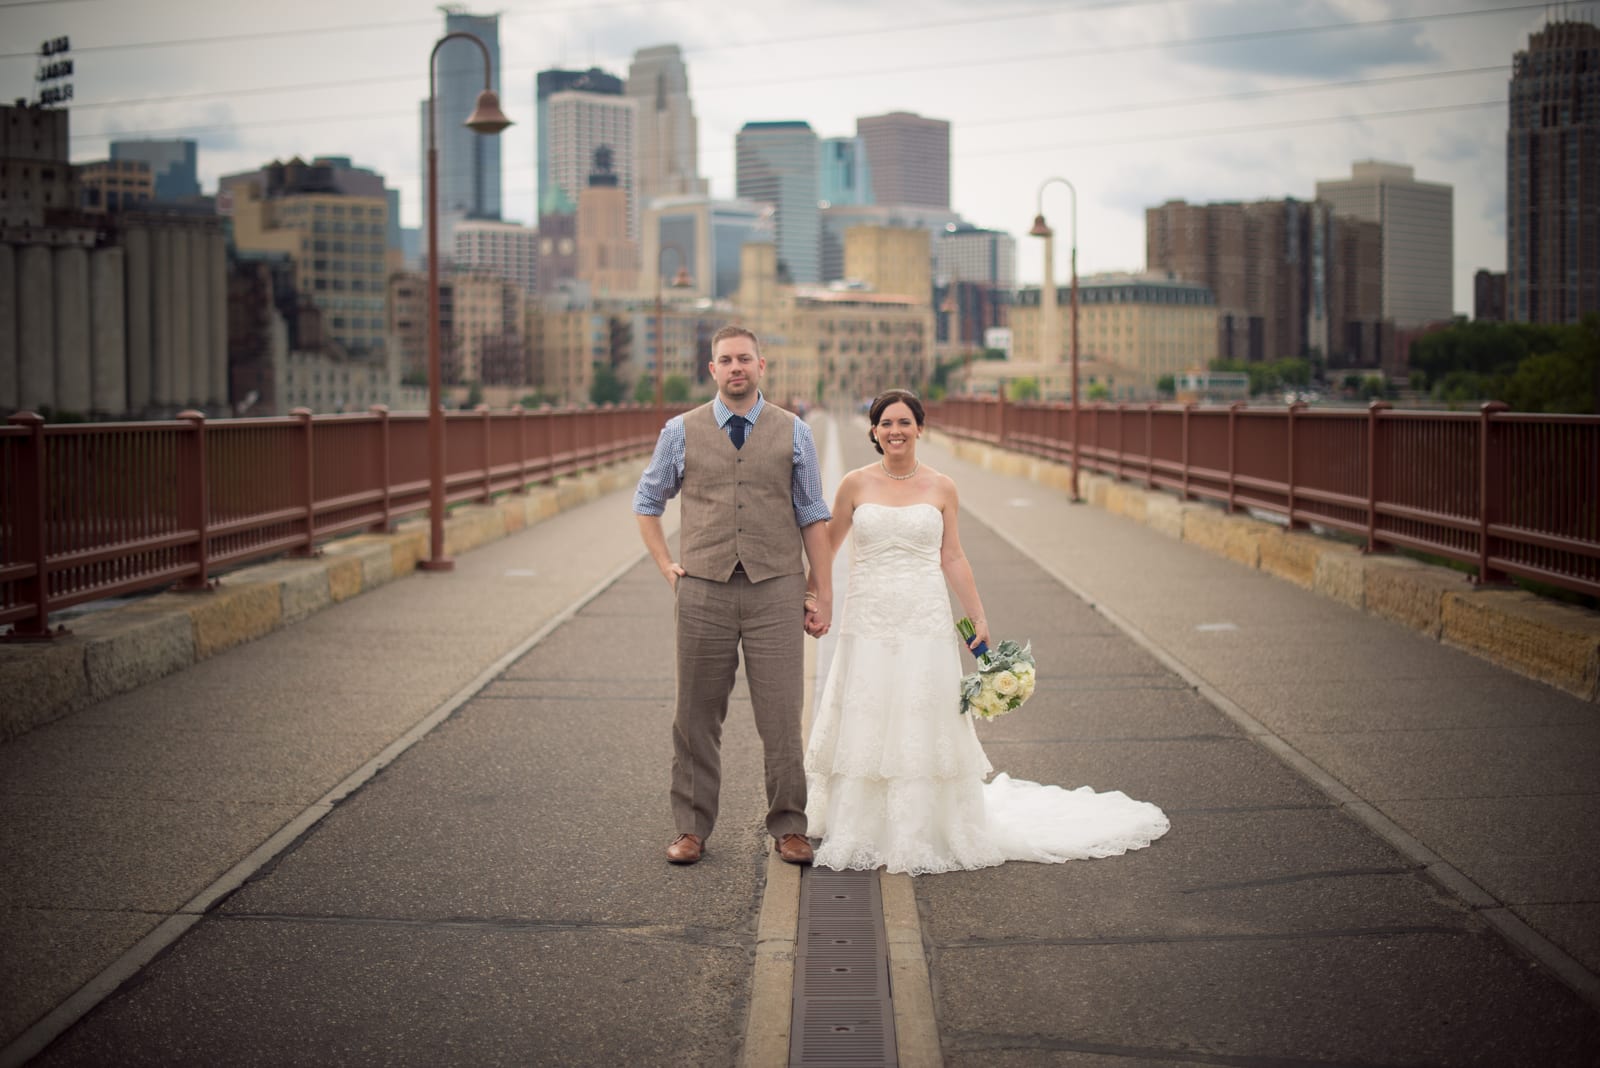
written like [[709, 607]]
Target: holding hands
[[818, 614]]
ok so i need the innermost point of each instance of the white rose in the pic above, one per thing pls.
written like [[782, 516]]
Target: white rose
[[1006, 684]]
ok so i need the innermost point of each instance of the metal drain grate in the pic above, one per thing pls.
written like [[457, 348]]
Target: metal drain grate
[[842, 1014]]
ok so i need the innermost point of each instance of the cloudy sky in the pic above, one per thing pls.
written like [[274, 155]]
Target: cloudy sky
[[1133, 101]]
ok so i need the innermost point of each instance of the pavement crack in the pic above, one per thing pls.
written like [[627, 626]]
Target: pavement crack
[[1307, 876], [1235, 809], [1243, 936], [709, 936], [976, 1042], [1079, 740]]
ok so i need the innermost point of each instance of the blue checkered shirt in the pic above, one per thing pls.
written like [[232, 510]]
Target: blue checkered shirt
[[664, 477]]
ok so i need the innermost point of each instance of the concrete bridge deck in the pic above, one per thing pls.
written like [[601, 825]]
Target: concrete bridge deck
[[424, 826]]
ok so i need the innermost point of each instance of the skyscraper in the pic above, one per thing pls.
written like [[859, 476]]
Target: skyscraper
[[469, 163], [711, 234], [1290, 278], [846, 179], [1553, 177], [964, 253], [668, 135], [580, 123], [1416, 220], [172, 165], [608, 259], [507, 249], [335, 239], [776, 163], [909, 157], [552, 199]]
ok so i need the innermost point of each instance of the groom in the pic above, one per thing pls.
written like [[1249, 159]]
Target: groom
[[752, 499]]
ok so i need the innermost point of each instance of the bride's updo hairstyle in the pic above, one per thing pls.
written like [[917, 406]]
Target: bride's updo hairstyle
[[882, 401]]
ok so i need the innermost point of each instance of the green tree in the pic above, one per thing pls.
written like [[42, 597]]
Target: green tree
[[1022, 389], [676, 389], [1532, 367], [1292, 371], [1098, 392], [1460, 388], [474, 396], [1552, 382], [607, 388], [1167, 385], [644, 391], [1481, 348]]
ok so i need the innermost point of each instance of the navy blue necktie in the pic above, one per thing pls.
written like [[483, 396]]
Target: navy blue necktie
[[736, 425]]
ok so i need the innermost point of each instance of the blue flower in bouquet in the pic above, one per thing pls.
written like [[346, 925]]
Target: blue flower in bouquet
[[1004, 680]]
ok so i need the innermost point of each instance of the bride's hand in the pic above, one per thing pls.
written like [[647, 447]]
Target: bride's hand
[[980, 636], [818, 616]]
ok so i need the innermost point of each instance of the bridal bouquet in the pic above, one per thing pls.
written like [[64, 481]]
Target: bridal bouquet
[[1004, 680]]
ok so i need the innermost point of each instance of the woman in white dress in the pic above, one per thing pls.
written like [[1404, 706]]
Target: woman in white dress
[[894, 775]]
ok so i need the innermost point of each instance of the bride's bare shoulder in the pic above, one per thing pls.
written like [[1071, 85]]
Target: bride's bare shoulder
[[944, 488]]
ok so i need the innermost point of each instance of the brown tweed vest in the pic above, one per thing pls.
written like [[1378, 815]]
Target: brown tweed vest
[[737, 505]]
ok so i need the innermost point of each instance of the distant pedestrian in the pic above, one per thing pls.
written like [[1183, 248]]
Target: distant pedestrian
[[752, 500]]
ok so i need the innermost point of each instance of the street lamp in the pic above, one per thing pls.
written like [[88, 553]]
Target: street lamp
[[1047, 304], [486, 118], [681, 280]]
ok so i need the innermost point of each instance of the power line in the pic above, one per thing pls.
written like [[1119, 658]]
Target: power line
[[1176, 135], [1247, 94], [714, 88], [1142, 46], [1287, 124], [260, 35], [986, 18]]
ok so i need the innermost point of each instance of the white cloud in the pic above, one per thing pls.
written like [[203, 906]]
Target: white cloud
[[1093, 91]]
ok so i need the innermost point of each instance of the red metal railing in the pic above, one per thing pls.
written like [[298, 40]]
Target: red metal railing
[[89, 511], [1508, 493]]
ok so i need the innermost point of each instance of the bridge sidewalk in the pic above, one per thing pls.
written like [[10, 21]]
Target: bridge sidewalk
[[496, 894]]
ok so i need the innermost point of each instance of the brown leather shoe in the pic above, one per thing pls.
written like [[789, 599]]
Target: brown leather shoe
[[685, 849], [795, 849]]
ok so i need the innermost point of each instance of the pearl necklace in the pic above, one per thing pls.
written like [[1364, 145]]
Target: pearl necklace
[[900, 478]]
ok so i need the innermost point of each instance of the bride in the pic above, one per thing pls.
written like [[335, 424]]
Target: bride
[[894, 775]]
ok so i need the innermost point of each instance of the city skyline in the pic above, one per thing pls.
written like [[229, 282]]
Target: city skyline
[[1135, 102]]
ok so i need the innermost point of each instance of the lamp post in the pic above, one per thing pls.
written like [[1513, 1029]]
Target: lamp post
[[681, 280], [486, 118], [1047, 300]]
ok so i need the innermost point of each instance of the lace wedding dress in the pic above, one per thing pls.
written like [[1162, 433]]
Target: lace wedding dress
[[894, 774]]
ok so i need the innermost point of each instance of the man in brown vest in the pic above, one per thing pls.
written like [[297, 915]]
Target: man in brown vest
[[751, 500]]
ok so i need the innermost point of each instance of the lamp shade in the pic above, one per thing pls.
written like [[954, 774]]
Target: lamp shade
[[487, 118], [1039, 228]]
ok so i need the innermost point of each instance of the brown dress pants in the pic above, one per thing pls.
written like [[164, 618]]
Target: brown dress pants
[[714, 620]]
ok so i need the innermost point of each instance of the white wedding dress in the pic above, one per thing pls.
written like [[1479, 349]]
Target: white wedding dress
[[894, 773]]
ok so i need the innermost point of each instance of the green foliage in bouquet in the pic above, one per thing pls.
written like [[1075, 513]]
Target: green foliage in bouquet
[[1004, 680]]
